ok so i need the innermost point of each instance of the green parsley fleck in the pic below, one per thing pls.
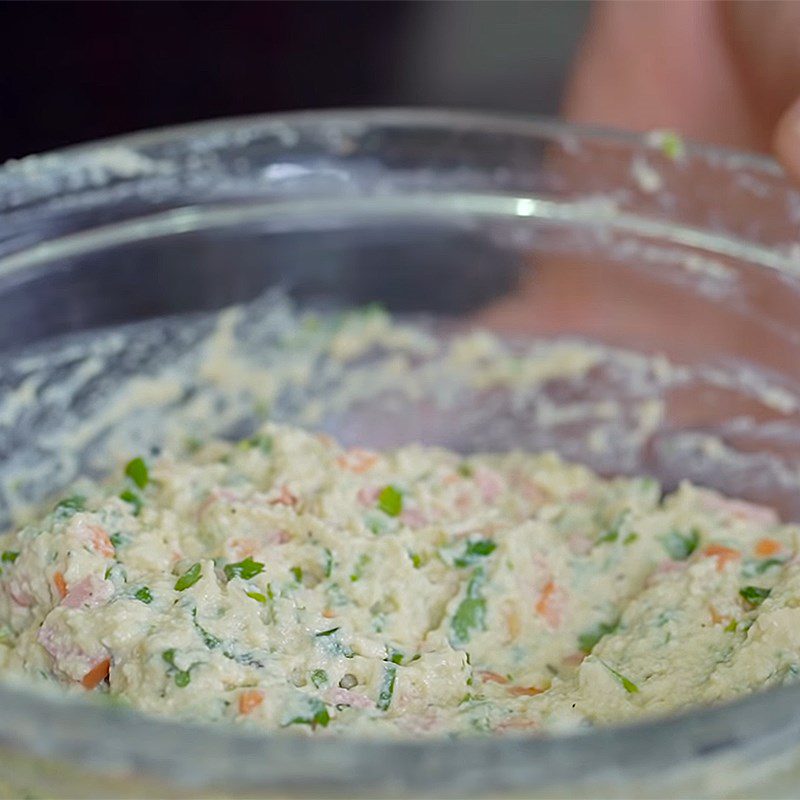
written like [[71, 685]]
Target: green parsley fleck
[[589, 638], [319, 678], [316, 714], [731, 626], [243, 569], [145, 595], [753, 567], [297, 573], [754, 595], [328, 562], [475, 551], [358, 569], [628, 685], [9, 556], [182, 677], [416, 560], [387, 687], [681, 545], [189, 578], [630, 538], [328, 632], [672, 145], [131, 497], [117, 539], [390, 501], [471, 612], [69, 505], [137, 471], [258, 442], [465, 469], [257, 596]]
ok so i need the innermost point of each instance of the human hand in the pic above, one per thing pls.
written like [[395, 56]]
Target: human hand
[[715, 71]]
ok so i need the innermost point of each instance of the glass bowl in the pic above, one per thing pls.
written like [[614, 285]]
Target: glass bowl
[[681, 261]]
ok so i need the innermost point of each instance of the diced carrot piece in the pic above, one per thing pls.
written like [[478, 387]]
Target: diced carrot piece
[[493, 677], [60, 584], [101, 542], [249, 700], [357, 460], [329, 613], [767, 547], [722, 554], [97, 674], [524, 691], [550, 603]]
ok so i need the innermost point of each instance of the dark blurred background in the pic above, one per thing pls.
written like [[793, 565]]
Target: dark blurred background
[[76, 71]]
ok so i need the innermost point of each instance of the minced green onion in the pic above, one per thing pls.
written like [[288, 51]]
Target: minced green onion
[[182, 677], [245, 569], [628, 685], [117, 539], [319, 678], [257, 596], [317, 714], [9, 556], [137, 471], [471, 612], [474, 551], [131, 497], [589, 638], [755, 595], [262, 443], [387, 687], [328, 562], [297, 574], [681, 545], [70, 505], [144, 594], [390, 501], [189, 578], [328, 632], [731, 626]]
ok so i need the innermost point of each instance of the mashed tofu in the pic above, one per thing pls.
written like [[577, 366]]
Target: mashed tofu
[[285, 582]]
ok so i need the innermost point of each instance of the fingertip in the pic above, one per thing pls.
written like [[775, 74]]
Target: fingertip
[[786, 140]]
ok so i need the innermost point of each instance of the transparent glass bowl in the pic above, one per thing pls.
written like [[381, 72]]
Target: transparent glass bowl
[[530, 228]]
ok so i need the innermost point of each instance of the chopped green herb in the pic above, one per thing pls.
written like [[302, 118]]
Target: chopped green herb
[[328, 632], [358, 569], [387, 687], [257, 596], [316, 714], [9, 556], [395, 656], [243, 569], [209, 640], [416, 560], [681, 545], [610, 535], [131, 497], [182, 677], [297, 573], [262, 443], [628, 685], [117, 539], [319, 678], [189, 578], [69, 505], [471, 612], [328, 563], [144, 594], [755, 595], [630, 538], [475, 551], [137, 471], [753, 567], [390, 501], [465, 469], [589, 638], [731, 626]]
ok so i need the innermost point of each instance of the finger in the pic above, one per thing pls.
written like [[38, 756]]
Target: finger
[[786, 142]]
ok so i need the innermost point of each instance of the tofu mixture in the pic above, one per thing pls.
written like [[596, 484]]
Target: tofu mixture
[[284, 582]]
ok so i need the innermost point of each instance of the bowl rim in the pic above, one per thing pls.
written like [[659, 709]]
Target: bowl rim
[[709, 726]]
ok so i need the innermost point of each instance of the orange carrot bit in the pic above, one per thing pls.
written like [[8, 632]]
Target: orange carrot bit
[[550, 604], [716, 618], [767, 547], [101, 541], [329, 613], [357, 460], [250, 700], [60, 584], [97, 674], [492, 677], [722, 554], [524, 691]]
